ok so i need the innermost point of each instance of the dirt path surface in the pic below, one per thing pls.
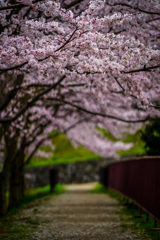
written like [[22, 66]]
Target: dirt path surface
[[78, 215]]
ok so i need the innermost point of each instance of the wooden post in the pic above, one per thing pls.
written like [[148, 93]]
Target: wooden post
[[103, 176], [155, 223], [141, 211], [53, 178], [147, 217]]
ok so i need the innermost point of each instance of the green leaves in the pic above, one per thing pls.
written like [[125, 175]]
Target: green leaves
[[150, 135]]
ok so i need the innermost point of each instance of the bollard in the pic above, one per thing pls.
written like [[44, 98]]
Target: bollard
[[103, 176], [141, 211], [155, 223], [53, 178], [147, 217]]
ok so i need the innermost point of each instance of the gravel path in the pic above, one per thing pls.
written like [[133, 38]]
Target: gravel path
[[78, 215]]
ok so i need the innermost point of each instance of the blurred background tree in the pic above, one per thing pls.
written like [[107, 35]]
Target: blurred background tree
[[150, 135]]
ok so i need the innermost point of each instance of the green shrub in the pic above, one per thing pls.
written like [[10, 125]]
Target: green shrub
[[150, 135]]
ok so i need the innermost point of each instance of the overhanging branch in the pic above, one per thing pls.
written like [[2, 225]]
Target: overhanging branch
[[144, 69], [135, 8], [30, 103], [101, 114]]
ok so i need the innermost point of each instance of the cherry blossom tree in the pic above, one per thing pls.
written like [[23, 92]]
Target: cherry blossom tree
[[74, 65]]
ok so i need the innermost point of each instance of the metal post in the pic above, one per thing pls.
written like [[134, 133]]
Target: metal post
[[155, 223], [147, 217], [141, 211], [53, 178], [103, 176]]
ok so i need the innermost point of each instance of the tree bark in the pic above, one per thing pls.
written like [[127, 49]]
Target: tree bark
[[4, 179], [10, 150], [16, 181]]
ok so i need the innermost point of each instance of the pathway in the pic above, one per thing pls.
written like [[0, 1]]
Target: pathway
[[78, 215]]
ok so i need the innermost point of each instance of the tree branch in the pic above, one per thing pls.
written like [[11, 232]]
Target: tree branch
[[66, 41], [18, 5], [75, 2], [13, 68], [144, 69], [30, 103], [119, 84], [136, 8], [21, 65], [66, 6], [48, 137], [10, 95], [101, 114]]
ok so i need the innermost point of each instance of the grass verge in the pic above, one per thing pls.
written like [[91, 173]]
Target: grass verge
[[16, 227], [44, 163], [131, 216], [99, 188], [64, 152]]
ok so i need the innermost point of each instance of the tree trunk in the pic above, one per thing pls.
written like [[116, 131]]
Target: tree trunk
[[4, 179], [10, 150], [16, 181]]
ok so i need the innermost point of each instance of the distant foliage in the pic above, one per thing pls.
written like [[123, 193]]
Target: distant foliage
[[151, 137]]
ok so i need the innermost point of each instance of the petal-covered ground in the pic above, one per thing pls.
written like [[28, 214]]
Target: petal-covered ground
[[75, 215], [79, 215]]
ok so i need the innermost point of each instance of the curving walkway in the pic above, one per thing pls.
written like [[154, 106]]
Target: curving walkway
[[78, 215]]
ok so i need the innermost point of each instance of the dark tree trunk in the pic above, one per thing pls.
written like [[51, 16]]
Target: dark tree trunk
[[10, 148], [16, 181], [4, 179]]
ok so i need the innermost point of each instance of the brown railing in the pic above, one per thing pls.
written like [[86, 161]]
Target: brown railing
[[139, 180]]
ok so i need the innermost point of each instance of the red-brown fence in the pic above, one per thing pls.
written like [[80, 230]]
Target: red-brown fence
[[138, 180]]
